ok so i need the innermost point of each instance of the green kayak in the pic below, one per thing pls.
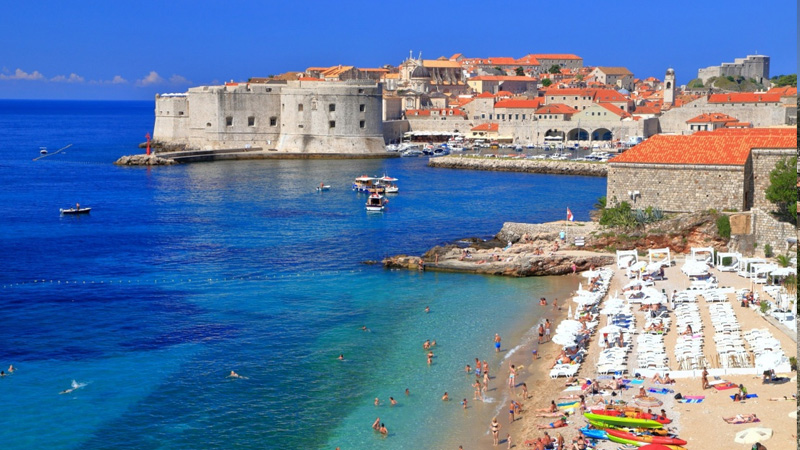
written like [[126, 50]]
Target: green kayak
[[623, 421]]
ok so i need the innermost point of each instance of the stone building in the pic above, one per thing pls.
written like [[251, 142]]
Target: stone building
[[497, 83], [758, 109], [727, 169], [613, 76], [753, 66], [289, 116]]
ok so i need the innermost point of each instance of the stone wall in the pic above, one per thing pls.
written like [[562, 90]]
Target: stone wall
[[768, 230], [393, 130], [677, 188], [759, 115], [292, 117], [764, 161], [513, 231], [439, 123]]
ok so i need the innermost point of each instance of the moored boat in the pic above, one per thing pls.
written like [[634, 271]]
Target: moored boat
[[650, 439], [76, 210], [388, 184], [323, 187], [376, 202], [620, 440], [623, 421], [365, 183]]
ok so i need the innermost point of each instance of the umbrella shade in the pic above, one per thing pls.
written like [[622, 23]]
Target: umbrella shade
[[590, 273], [639, 266], [655, 267], [768, 360], [783, 272], [564, 339], [753, 435], [633, 284], [610, 329]]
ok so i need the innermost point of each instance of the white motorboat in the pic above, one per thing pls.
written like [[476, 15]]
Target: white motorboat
[[389, 185], [323, 187], [376, 202], [413, 152], [366, 183]]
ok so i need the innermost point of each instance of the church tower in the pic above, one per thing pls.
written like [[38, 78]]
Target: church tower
[[669, 87]]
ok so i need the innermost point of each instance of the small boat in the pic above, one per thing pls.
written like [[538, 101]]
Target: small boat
[[376, 202], [664, 440], [42, 150], [388, 184], [323, 187], [366, 183], [411, 153], [76, 210], [623, 421]]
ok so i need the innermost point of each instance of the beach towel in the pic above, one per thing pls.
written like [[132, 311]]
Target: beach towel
[[695, 397], [569, 405], [691, 400], [724, 386], [660, 391], [748, 396], [639, 382], [572, 389]]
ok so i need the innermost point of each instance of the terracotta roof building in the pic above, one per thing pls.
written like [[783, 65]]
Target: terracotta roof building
[[722, 169]]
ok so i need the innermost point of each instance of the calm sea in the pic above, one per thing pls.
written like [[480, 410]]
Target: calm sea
[[181, 274]]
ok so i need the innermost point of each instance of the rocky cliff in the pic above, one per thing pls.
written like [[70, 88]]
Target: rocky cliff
[[143, 160]]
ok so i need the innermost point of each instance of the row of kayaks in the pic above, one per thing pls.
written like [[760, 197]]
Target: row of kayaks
[[629, 430]]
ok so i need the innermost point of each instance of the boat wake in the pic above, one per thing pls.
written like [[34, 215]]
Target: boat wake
[[75, 386]]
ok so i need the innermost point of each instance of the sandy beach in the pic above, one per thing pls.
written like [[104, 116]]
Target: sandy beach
[[700, 424]]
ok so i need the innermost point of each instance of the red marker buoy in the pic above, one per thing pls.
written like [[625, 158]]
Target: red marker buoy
[[147, 136]]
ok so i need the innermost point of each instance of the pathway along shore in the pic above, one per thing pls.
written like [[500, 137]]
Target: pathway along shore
[[512, 164]]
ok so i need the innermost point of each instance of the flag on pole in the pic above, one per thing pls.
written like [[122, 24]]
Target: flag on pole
[[570, 217]]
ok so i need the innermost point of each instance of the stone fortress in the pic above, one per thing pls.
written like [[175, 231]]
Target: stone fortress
[[285, 117], [753, 66]]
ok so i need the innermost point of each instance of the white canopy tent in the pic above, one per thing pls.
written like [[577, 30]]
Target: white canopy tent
[[745, 263], [694, 268], [626, 258], [661, 255], [703, 254], [733, 265], [759, 273]]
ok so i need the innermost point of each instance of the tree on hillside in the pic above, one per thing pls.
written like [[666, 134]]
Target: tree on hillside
[[555, 68], [498, 69], [782, 190], [520, 71], [546, 82], [784, 80]]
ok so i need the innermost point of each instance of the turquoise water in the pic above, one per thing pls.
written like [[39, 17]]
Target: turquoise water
[[182, 274]]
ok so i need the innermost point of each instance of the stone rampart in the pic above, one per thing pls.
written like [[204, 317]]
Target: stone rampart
[[764, 161], [759, 115], [768, 230], [677, 188], [519, 165]]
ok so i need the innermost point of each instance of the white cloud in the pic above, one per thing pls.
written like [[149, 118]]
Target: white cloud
[[118, 80], [152, 78], [177, 79], [72, 78], [20, 74]]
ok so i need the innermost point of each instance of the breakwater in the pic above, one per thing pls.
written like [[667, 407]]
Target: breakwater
[[520, 165]]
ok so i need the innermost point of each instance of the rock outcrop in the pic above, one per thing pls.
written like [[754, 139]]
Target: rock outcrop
[[520, 165], [143, 160]]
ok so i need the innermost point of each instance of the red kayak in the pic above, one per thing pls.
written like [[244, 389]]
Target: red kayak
[[646, 438], [634, 414]]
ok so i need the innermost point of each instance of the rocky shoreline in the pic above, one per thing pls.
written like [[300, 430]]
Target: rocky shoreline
[[520, 165], [143, 160]]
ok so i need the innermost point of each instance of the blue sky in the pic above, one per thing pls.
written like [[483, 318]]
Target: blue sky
[[83, 49]]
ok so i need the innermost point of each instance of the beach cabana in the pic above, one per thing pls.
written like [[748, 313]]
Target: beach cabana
[[759, 273], [661, 255], [703, 254], [732, 259], [745, 263], [627, 258], [694, 269]]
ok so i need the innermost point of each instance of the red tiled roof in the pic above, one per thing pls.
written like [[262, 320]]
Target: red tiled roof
[[712, 118], [556, 108], [534, 103], [310, 79], [553, 56], [608, 95], [486, 127], [486, 95], [614, 109], [501, 78], [648, 109], [784, 91], [723, 147], [614, 70], [441, 111], [744, 97], [501, 60], [504, 94]]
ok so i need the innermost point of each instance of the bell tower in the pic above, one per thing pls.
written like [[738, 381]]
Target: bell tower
[[669, 87]]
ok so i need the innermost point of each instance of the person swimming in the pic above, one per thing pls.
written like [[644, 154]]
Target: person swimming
[[341, 357]]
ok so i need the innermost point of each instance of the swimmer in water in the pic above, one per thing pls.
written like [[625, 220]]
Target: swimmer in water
[[341, 357], [427, 309], [377, 401], [377, 424], [392, 401], [445, 397], [11, 369], [408, 392], [364, 328], [234, 375], [383, 430]]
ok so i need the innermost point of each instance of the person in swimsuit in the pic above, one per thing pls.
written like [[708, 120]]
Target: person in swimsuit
[[477, 393], [407, 392], [525, 391], [541, 332], [579, 444], [377, 424], [512, 373], [445, 397], [464, 403], [496, 342], [392, 401], [547, 329], [511, 412], [383, 430], [495, 427]]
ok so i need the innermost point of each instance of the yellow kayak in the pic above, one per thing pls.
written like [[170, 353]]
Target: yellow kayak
[[623, 421]]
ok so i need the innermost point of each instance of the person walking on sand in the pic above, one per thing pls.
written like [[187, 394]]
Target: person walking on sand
[[541, 332], [512, 377], [524, 391], [508, 441], [547, 329], [477, 393], [496, 342], [495, 427], [511, 412], [705, 379]]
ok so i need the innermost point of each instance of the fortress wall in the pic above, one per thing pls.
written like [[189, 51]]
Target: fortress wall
[[764, 161], [172, 114], [759, 115]]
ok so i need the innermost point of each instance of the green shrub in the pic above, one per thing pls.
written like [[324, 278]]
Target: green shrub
[[618, 216], [726, 261], [764, 306], [767, 250], [793, 363], [724, 226]]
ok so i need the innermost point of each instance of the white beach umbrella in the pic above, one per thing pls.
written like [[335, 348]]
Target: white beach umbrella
[[753, 435], [590, 273], [694, 268], [564, 339], [783, 272], [610, 329], [583, 300], [633, 284], [654, 267], [638, 266], [768, 361]]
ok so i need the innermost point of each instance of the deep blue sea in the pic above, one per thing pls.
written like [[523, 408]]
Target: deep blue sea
[[181, 274]]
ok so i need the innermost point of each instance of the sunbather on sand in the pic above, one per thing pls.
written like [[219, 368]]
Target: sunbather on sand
[[742, 418], [562, 422]]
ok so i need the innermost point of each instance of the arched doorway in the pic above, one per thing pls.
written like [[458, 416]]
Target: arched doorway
[[578, 134], [602, 134]]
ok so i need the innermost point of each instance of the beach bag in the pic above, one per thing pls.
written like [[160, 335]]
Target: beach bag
[[678, 396]]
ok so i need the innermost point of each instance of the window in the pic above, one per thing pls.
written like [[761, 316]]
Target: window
[[208, 124], [332, 107], [360, 91], [299, 107], [229, 121], [332, 124], [361, 124], [362, 107], [180, 113], [273, 121], [251, 121], [483, 116]]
